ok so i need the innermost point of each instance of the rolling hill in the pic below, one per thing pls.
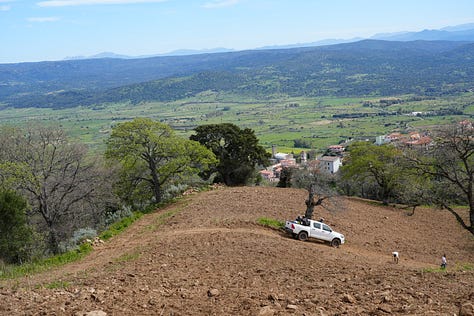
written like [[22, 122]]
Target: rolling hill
[[206, 255], [364, 68]]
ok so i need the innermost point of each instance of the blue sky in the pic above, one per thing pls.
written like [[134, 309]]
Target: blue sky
[[55, 29]]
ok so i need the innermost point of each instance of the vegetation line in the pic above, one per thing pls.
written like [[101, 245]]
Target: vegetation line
[[16, 271], [120, 226]]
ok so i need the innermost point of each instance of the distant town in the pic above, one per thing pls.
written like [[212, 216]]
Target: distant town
[[332, 159]]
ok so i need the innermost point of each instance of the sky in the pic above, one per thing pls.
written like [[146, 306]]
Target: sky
[[57, 29]]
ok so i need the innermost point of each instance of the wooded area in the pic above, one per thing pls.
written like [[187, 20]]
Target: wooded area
[[55, 193]]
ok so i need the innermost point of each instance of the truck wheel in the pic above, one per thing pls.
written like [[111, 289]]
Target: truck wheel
[[303, 236], [335, 243]]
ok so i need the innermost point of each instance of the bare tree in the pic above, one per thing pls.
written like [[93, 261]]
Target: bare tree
[[321, 190], [64, 186], [449, 164]]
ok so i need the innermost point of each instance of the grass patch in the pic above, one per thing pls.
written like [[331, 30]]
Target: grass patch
[[458, 267], [13, 271], [120, 226], [433, 270], [466, 266], [269, 222]]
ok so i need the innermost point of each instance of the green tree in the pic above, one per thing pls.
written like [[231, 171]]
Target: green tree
[[152, 156], [286, 176], [379, 164], [15, 233], [237, 150]]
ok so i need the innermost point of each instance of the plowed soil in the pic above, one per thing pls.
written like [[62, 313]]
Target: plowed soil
[[206, 255]]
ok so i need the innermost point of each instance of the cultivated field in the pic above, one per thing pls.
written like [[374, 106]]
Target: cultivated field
[[206, 255], [276, 120]]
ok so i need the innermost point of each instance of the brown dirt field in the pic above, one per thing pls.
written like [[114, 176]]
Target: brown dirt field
[[211, 258]]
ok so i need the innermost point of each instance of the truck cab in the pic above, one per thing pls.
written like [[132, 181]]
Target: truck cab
[[305, 229]]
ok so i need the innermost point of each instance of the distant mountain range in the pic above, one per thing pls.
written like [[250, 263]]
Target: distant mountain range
[[456, 33], [179, 52], [430, 62], [463, 32], [362, 68]]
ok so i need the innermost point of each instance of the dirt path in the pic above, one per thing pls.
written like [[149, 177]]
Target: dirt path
[[207, 256]]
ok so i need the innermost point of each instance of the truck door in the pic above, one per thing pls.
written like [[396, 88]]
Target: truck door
[[326, 233], [316, 230]]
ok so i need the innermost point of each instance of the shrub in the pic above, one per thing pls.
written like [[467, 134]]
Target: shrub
[[15, 234], [78, 238]]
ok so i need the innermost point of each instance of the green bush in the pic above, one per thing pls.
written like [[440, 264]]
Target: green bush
[[78, 238], [16, 237]]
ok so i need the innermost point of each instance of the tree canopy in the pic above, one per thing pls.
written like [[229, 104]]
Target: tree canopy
[[370, 164], [236, 149], [151, 156]]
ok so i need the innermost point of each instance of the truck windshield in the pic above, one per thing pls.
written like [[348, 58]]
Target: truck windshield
[[326, 228]]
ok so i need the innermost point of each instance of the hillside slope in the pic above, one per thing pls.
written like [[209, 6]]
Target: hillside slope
[[211, 258], [363, 68]]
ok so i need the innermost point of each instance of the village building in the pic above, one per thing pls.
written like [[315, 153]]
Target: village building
[[336, 149], [267, 174], [330, 164], [412, 139]]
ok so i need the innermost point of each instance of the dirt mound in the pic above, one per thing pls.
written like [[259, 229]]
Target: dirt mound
[[207, 256]]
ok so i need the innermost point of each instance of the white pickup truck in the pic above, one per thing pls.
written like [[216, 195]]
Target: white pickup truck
[[308, 228]]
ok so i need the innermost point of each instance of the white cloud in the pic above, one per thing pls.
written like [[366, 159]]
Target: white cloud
[[65, 3], [43, 19], [220, 4]]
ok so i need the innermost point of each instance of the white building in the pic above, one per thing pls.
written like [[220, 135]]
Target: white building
[[382, 139], [282, 156], [329, 164]]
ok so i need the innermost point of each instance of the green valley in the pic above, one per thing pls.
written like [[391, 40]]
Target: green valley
[[291, 123]]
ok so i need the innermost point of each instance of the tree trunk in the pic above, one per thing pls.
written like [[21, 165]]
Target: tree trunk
[[311, 204], [155, 180], [471, 218], [470, 228], [53, 241], [413, 210]]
